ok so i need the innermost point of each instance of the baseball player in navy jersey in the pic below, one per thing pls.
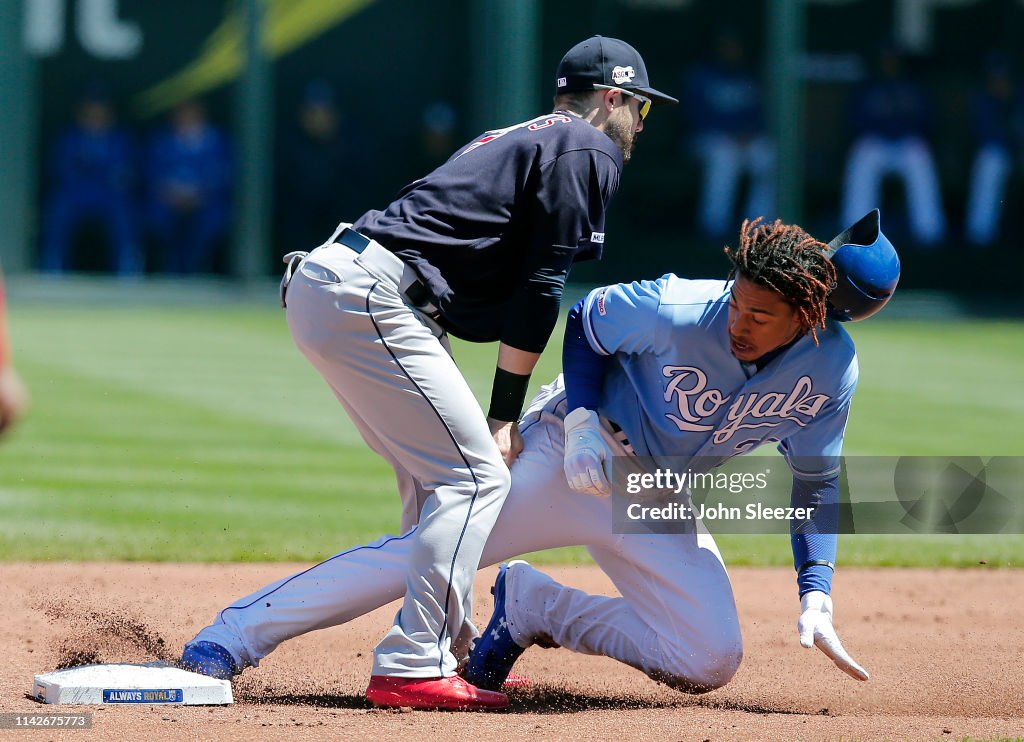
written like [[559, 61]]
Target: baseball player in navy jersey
[[668, 367], [479, 249]]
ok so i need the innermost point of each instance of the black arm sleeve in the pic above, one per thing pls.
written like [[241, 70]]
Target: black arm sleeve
[[573, 191]]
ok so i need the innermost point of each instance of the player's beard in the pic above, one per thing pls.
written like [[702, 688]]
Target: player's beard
[[624, 136]]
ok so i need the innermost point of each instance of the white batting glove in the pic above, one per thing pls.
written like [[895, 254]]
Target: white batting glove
[[586, 453], [815, 627]]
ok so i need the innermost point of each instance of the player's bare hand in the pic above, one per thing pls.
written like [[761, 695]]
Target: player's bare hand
[[586, 453], [815, 627], [14, 397], [506, 435]]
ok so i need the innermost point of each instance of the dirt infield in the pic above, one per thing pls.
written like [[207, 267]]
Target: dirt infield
[[945, 649]]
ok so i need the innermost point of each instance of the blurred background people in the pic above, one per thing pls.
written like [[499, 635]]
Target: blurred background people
[[997, 123], [13, 394], [324, 169], [188, 189], [892, 118], [724, 112], [433, 137], [92, 172], [438, 140]]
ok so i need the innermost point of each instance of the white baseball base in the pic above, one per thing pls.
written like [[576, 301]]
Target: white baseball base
[[151, 683]]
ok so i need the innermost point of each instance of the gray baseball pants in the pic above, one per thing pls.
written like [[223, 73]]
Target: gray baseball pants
[[390, 367], [675, 618]]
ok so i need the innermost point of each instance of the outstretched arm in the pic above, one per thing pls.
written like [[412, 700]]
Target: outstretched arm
[[814, 554]]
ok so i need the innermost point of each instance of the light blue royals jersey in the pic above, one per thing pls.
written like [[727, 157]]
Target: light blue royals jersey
[[675, 388]]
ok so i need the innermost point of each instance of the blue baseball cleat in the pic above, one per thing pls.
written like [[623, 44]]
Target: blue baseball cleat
[[208, 658], [494, 652]]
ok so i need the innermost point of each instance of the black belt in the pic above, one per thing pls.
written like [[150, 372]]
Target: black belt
[[416, 293], [353, 240]]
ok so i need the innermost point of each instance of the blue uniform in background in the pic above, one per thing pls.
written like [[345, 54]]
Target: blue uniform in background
[[997, 120], [724, 99], [188, 178], [93, 171], [726, 131], [891, 119]]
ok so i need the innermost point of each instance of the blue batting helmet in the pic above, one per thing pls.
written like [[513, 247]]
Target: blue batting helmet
[[867, 270]]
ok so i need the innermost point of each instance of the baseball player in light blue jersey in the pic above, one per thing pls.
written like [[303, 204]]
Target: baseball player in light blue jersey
[[704, 371], [671, 367]]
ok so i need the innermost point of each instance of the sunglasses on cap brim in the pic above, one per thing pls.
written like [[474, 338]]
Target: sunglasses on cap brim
[[644, 101]]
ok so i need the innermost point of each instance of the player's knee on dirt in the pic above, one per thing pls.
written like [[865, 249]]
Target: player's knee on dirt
[[711, 665]]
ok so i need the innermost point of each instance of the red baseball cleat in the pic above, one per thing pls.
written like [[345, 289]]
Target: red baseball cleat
[[432, 693]]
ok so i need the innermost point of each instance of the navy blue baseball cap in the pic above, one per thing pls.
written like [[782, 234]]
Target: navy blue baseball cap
[[601, 60]]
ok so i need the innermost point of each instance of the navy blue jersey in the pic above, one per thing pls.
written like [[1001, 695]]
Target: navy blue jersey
[[493, 231]]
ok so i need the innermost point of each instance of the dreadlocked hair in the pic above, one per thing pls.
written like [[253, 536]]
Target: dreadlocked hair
[[784, 258]]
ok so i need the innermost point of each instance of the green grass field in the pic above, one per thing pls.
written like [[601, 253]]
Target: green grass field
[[199, 433]]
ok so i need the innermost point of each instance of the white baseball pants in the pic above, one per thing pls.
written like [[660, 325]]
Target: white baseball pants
[[675, 620]]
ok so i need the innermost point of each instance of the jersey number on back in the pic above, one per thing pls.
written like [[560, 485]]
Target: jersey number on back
[[533, 125]]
